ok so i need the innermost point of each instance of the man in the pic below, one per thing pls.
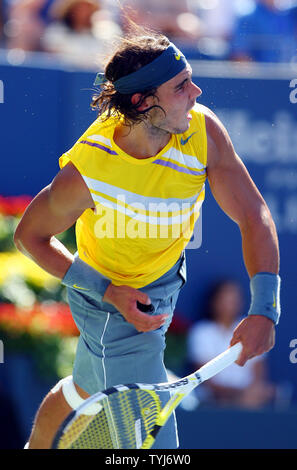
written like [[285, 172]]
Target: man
[[266, 34], [134, 183]]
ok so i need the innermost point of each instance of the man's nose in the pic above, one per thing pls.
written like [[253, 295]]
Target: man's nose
[[196, 91]]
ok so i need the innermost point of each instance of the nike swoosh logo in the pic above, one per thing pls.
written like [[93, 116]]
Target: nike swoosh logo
[[184, 141], [78, 287], [274, 303]]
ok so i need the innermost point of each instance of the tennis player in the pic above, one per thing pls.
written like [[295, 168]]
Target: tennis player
[[134, 184]]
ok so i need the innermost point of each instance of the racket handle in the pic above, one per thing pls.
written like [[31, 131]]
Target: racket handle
[[145, 308], [220, 362]]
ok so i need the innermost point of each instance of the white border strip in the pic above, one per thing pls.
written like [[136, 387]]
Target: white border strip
[[229, 69]]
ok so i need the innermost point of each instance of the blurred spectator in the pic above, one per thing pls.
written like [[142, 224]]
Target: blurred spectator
[[174, 18], [267, 34], [218, 20], [26, 20], [238, 386], [80, 32], [1, 25], [218, 16]]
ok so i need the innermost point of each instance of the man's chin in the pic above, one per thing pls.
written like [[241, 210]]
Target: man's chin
[[181, 130]]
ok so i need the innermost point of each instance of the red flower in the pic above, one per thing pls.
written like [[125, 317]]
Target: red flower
[[14, 205], [52, 318]]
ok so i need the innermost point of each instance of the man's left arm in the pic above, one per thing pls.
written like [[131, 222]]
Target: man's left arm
[[237, 195]]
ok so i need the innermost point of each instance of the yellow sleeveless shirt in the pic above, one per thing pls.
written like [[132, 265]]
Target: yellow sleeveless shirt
[[145, 208]]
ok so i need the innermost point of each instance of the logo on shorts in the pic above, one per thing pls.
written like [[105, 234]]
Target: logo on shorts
[[78, 287], [177, 55]]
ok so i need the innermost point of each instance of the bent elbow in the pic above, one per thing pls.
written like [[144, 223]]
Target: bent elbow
[[17, 239], [22, 239]]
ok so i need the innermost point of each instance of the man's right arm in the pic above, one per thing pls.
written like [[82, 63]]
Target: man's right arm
[[52, 211]]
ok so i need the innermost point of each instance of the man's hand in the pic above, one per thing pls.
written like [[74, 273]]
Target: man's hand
[[257, 335], [124, 298]]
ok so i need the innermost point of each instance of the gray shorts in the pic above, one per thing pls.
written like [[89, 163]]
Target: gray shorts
[[111, 351]]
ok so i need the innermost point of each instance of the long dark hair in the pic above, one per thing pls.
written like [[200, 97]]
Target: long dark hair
[[211, 295], [138, 48]]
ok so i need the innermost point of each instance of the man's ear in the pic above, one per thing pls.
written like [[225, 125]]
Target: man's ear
[[146, 103]]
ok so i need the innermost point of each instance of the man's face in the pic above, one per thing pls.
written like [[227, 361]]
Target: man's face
[[270, 3], [177, 97]]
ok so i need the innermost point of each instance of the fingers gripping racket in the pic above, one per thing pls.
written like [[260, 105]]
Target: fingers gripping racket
[[130, 416]]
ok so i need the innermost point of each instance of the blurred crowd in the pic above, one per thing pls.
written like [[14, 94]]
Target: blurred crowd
[[221, 307], [80, 31], [246, 387]]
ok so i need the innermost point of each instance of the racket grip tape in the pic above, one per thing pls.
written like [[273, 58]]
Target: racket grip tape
[[220, 362], [145, 308]]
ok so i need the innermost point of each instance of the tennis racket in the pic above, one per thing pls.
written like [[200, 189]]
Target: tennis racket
[[130, 416]]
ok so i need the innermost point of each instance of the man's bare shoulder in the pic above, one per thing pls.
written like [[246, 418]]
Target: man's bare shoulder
[[214, 126], [218, 139], [68, 191]]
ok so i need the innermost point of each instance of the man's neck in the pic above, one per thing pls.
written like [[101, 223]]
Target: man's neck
[[142, 140]]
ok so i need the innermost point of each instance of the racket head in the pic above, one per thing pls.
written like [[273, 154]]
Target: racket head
[[130, 416], [124, 418]]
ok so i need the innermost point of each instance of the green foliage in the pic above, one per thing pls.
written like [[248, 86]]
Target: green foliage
[[27, 326]]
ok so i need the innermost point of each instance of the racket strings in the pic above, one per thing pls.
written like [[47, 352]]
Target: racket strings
[[96, 434], [124, 421]]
